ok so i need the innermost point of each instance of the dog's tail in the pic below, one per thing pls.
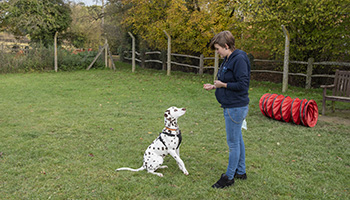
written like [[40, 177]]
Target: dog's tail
[[130, 169]]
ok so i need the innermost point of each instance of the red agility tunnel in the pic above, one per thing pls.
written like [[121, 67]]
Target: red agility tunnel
[[285, 108], [269, 103], [276, 107], [281, 108], [262, 103]]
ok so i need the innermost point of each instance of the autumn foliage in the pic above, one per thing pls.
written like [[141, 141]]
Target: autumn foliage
[[318, 28]]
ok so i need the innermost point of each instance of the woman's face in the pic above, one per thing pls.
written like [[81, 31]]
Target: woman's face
[[223, 52]]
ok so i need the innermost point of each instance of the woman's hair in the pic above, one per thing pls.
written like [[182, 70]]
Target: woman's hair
[[223, 38]]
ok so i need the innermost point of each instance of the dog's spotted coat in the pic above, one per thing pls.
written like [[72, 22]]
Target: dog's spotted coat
[[168, 142]]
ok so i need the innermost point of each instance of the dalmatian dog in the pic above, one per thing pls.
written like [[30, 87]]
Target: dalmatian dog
[[168, 142]]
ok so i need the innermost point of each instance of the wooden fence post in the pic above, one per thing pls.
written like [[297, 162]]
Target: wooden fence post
[[106, 54], [286, 60], [201, 64], [216, 65], [310, 63], [169, 54], [133, 52], [55, 47], [111, 58], [163, 57], [143, 58]]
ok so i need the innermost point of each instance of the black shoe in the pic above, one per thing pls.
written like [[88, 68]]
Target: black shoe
[[223, 182], [240, 176]]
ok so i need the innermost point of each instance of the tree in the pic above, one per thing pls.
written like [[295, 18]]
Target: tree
[[318, 28], [85, 29], [116, 35], [191, 23], [41, 19]]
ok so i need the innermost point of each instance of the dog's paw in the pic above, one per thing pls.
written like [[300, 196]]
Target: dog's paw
[[186, 173], [156, 173]]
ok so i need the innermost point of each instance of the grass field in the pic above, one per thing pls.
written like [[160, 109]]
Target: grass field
[[63, 134]]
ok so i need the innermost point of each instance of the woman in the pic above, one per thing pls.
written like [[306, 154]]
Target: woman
[[232, 93]]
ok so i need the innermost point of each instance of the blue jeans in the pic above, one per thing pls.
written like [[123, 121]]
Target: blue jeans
[[233, 119]]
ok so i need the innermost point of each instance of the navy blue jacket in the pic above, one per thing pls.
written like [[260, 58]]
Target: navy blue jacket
[[235, 71]]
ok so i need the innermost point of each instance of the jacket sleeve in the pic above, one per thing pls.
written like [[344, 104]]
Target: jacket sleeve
[[241, 75]]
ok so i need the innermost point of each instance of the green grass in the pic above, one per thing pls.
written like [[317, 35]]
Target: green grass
[[63, 134]]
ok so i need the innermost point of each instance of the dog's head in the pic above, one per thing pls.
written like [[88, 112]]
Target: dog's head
[[172, 114]]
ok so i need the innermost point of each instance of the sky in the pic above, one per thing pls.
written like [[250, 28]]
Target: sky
[[89, 2]]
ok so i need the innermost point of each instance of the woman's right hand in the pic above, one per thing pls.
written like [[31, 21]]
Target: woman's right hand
[[208, 86]]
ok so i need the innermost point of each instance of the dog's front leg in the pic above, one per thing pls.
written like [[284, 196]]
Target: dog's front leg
[[178, 151], [179, 161]]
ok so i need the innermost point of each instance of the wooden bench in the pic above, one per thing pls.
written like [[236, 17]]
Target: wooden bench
[[341, 89]]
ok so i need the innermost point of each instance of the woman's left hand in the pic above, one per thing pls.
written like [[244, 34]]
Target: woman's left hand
[[219, 84]]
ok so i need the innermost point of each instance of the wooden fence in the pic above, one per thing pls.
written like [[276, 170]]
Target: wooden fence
[[201, 58], [140, 58], [200, 67]]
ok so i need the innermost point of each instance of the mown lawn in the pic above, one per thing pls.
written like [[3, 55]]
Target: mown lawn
[[62, 135]]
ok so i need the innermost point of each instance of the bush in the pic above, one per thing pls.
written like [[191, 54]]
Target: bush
[[70, 61], [40, 58]]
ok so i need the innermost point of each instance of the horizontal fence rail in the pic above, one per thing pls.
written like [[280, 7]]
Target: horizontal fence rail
[[186, 56]]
